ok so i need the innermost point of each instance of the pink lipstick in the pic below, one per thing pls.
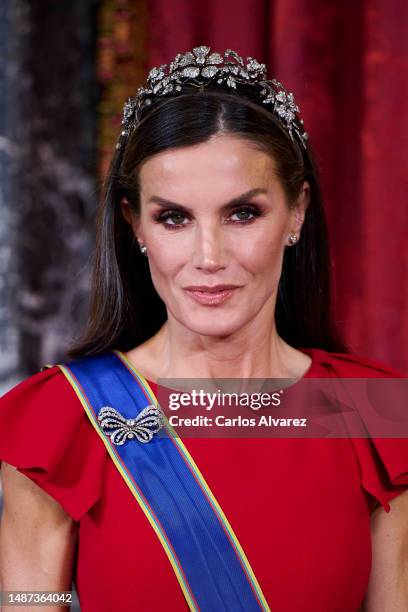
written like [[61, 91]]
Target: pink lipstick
[[211, 296]]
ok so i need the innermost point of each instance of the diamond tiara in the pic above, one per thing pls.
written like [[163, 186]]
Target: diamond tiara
[[199, 68]]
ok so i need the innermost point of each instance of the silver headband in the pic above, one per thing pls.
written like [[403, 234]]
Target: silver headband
[[199, 68]]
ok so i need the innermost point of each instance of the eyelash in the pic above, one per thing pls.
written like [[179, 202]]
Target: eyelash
[[167, 214]]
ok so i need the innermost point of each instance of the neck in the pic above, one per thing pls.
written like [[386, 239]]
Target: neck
[[254, 351]]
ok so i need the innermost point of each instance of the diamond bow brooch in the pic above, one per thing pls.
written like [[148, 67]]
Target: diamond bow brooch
[[120, 429]]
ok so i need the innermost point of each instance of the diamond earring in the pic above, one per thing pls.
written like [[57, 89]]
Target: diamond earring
[[143, 249], [293, 238]]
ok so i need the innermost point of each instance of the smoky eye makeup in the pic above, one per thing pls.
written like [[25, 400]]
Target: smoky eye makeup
[[175, 218]]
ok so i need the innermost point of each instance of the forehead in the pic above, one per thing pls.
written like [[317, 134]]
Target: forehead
[[222, 164]]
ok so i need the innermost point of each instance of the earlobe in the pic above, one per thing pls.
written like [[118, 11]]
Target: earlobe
[[299, 212], [299, 215]]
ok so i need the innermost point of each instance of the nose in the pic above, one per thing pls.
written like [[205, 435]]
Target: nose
[[208, 250]]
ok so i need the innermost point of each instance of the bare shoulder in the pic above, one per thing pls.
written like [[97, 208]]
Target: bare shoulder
[[37, 538], [23, 497], [389, 573]]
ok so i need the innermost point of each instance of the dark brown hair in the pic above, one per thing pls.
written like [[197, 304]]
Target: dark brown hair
[[125, 309]]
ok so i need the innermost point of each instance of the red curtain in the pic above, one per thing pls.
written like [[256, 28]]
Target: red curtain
[[346, 62], [122, 64]]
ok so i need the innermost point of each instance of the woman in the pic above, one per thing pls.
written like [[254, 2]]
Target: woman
[[211, 261]]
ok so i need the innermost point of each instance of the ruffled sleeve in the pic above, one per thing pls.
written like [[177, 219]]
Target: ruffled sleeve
[[384, 468], [46, 434], [383, 461]]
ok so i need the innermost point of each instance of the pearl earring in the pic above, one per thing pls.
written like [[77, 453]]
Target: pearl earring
[[143, 249]]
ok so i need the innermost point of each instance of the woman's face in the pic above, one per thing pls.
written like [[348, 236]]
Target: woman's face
[[215, 214]]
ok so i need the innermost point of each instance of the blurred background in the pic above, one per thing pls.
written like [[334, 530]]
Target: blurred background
[[66, 69]]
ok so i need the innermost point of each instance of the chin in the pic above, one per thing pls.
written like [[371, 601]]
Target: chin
[[212, 323]]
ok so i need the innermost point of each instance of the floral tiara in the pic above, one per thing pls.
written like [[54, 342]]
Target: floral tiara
[[199, 68]]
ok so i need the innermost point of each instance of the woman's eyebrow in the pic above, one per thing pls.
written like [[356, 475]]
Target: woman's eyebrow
[[241, 199]]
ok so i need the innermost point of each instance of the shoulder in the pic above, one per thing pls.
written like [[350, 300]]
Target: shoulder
[[46, 384], [42, 406], [354, 366], [47, 435]]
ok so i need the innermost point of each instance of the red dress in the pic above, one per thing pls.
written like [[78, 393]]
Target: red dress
[[300, 508]]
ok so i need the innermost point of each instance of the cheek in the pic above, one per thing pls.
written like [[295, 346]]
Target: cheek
[[262, 256], [165, 261]]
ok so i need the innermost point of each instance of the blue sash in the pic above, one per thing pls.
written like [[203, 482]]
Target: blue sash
[[205, 554]]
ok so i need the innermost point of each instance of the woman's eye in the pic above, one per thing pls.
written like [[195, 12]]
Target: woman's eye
[[246, 214], [243, 214], [175, 217]]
